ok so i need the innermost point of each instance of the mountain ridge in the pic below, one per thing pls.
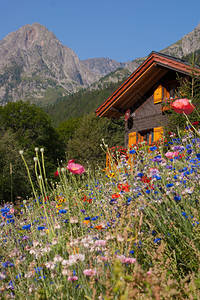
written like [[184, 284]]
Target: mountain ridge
[[34, 63]]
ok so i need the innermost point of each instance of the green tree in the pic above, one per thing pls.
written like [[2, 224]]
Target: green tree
[[13, 176], [67, 128], [85, 143], [32, 128]]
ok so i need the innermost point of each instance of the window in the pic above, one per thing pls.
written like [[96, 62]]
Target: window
[[146, 136], [169, 93]]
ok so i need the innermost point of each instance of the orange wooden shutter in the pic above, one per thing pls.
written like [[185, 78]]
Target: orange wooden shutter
[[150, 138], [166, 95], [140, 138], [158, 133], [131, 139], [158, 93]]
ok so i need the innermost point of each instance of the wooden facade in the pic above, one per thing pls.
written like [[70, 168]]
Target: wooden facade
[[142, 96]]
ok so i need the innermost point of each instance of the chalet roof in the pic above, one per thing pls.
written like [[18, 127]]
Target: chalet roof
[[140, 81]]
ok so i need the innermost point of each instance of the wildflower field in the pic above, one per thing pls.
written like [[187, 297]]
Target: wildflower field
[[129, 233]]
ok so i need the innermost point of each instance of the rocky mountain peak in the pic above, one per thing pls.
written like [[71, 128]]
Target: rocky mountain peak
[[32, 60], [187, 44]]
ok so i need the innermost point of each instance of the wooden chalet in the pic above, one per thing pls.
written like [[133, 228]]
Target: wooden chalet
[[140, 97]]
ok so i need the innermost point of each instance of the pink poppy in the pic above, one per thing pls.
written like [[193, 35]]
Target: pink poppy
[[171, 155], [72, 278], [89, 272], [183, 105], [75, 168]]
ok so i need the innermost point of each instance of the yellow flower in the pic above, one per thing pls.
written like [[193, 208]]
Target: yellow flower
[[111, 175], [58, 205]]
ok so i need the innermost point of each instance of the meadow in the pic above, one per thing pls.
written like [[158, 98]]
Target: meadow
[[131, 232]]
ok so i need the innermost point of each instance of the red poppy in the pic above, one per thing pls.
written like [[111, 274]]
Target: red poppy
[[145, 179], [84, 198], [99, 227], [183, 105], [56, 173], [114, 196], [123, 187], [195, 123]]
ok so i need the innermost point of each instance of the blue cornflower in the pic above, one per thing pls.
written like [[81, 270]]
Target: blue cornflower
[[41, 227], [139, 194], [198, 156], [18, 276], [7, 264], [158, 177], [87, 218], [188, 146], [195, 223], [157, 240], [177, 198], [132, 151], [153, 148], [62, 211], [26, 226], [169, 185], [140, 174], [38, 270]]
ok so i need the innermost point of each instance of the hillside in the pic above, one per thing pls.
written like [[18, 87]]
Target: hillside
[[79, 104]]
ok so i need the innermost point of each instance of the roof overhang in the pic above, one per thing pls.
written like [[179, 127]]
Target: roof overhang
[[139, 82]]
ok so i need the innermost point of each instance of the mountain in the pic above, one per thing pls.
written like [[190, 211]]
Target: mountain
[[34, 62], [188, 44], [36, 66]]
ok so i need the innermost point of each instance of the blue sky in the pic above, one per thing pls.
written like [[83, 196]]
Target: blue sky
[[120, 30]]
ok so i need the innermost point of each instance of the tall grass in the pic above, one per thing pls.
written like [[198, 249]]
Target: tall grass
[[131, 234]]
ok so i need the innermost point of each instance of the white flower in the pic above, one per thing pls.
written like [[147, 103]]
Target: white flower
[[35, 243], [57, 226], [35, 159], [46, 249], [21, 152], [50, 265], [65, 262], [54, 241], [73, 220], [65, 271], [42, 150], [36, 149], [57, 258]]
